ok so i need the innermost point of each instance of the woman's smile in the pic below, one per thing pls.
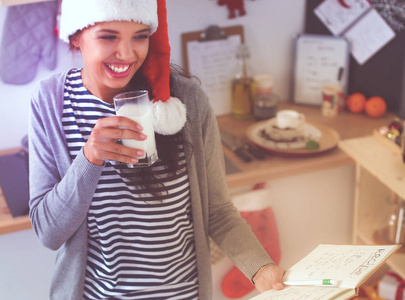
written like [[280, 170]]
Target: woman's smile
[[118, 70]]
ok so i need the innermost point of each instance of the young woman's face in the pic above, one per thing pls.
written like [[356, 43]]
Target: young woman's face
[[112, 52]]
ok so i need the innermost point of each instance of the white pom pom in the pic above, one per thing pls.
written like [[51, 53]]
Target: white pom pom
[[169, 117]]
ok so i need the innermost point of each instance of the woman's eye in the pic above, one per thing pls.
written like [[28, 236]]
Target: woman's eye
[[141, 36], [108, 37]]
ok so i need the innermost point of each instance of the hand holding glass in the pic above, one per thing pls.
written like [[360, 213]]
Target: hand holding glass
[[136, 106]]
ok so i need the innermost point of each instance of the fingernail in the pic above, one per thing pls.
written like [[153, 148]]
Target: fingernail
[[142, 136], [139, 127], [135, 160], [139, 153]]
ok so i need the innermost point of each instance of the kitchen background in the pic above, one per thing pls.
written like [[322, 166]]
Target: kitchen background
[[269, 27]]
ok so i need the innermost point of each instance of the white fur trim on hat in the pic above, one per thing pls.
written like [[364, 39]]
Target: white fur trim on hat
[[169, 117], [79, 14]]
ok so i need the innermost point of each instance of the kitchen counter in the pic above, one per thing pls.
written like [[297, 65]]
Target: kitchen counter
[[346, 124]]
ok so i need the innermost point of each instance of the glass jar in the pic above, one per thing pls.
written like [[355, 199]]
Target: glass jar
[[265, 102]]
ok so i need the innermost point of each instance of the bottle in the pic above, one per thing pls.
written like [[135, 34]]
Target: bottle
[[265, 102], [242, 86]]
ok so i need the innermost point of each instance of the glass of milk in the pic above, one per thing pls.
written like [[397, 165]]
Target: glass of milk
[[136, 106]]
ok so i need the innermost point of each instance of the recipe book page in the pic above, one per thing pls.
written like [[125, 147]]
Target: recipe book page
[[350, 265]]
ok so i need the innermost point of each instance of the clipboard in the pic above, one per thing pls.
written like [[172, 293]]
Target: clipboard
[[318, 60], [210, 55]]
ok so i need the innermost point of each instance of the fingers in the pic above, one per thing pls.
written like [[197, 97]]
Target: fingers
[[269, 277], [115, 134], [278, 286], [117, 152], [119, 121], [102, 145], [98, 151], [112, 150]]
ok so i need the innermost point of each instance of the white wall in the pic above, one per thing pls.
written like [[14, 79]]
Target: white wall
[[269, 26]]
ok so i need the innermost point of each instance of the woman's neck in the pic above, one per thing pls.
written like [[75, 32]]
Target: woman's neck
[[105, 94]]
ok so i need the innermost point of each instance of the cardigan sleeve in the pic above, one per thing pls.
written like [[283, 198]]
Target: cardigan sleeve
[[60, 190], [226, 226]]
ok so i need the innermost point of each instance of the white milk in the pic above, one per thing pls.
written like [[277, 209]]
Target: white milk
[[142, 115]]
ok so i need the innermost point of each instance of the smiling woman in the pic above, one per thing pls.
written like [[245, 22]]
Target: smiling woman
[[128, 233], [112, 53]]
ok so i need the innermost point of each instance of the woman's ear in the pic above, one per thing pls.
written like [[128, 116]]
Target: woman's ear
[[74, 41]]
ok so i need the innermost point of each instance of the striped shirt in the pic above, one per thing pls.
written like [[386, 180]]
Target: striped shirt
[[140, 246]]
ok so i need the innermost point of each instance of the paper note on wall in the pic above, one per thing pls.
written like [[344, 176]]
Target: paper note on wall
[[337, 17], [359, 22], [369, 35], [214, 63]]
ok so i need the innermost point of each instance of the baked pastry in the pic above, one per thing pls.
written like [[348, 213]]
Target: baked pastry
[[288, 138]]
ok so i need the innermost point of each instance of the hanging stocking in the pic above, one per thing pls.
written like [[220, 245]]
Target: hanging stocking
[[235, 7], [263, 223]]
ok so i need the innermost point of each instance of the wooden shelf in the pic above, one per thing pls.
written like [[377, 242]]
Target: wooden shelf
[[9, 224], [380, 160], [20, 2], [380, 175]]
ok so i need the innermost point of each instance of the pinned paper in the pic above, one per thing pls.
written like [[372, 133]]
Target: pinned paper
[[339, 15], [369, 35], [359, 22]]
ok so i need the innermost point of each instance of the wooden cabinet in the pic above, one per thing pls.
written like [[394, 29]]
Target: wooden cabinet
[[9, 224], [380, 177]]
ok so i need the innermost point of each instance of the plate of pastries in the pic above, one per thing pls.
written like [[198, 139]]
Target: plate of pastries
[[290, 134]]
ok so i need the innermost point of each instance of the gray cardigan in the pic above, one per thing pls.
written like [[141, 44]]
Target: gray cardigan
[[61, 191]]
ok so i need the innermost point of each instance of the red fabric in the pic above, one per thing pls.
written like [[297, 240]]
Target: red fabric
[[401, 285], [263, 223], [156, 67]]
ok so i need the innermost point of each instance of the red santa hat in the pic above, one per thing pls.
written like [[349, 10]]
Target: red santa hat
[[169, 112]]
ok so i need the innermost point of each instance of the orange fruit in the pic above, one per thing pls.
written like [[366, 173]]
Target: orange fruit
[[376, 106], [356, 102]]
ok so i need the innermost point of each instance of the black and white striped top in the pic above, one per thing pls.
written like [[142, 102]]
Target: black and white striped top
[[139, 247]]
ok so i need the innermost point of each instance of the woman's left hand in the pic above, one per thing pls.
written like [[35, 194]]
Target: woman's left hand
[[269, 277]]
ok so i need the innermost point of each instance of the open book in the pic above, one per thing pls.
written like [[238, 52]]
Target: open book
[[349, 265]]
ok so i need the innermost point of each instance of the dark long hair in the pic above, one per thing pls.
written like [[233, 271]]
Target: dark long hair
[[167, 145]]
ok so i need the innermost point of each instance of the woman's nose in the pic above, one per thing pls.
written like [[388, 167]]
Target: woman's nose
[[125, 51]]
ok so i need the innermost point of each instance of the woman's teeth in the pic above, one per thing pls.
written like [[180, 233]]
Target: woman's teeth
[[116, 69]]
